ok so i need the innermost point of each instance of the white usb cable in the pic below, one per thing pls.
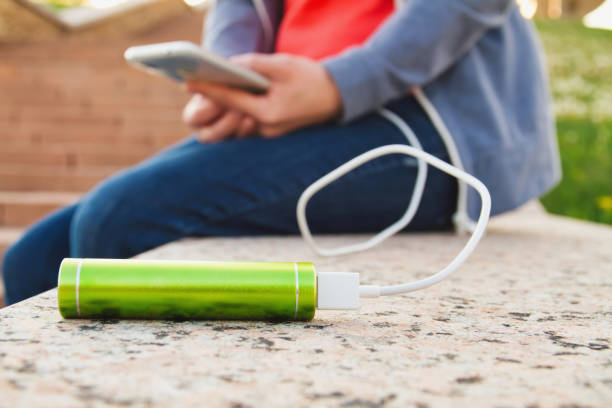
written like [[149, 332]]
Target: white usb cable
[[341, 290], [417, 194], [461, 219]]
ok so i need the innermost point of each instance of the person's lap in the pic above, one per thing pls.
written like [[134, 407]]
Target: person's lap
[[238, 187]]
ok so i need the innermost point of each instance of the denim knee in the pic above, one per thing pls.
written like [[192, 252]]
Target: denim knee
[[94, 230], [117, 218]]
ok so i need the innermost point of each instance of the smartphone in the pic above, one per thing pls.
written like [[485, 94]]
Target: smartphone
[[183, 61]]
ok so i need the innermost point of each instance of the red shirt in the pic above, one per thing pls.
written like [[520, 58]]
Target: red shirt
[[321, 28]]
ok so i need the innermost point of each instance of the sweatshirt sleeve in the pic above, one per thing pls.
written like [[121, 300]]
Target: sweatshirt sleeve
[[415, 45], [235, 27]]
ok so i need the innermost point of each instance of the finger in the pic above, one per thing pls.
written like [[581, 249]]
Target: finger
[[222, 128], [269, 65], [201, 111], [232, 98], [246, 127], [273, 131]]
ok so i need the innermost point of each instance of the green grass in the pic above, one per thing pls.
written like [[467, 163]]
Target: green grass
[[580, 66]]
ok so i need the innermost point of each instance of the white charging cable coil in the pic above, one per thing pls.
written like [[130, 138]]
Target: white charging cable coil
[[423, 158]]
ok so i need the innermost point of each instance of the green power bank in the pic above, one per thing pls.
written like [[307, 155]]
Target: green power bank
[[141, 289]]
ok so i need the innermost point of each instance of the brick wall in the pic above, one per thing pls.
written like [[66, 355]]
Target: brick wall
[[72, 111]]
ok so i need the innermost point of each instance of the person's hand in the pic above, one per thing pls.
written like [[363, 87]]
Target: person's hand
[[301, 93], [213, 122]]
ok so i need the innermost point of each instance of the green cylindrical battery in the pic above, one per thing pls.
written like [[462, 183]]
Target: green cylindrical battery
[[141, 289]]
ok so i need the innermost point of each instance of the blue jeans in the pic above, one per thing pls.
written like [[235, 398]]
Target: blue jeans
[[238, 187]]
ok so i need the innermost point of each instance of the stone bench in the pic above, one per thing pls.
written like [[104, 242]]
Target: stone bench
[[526, 322]]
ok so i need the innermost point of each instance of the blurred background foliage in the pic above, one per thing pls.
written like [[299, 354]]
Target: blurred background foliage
[[580, 67]]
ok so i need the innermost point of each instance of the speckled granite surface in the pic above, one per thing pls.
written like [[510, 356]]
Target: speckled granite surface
[[527, 322]]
